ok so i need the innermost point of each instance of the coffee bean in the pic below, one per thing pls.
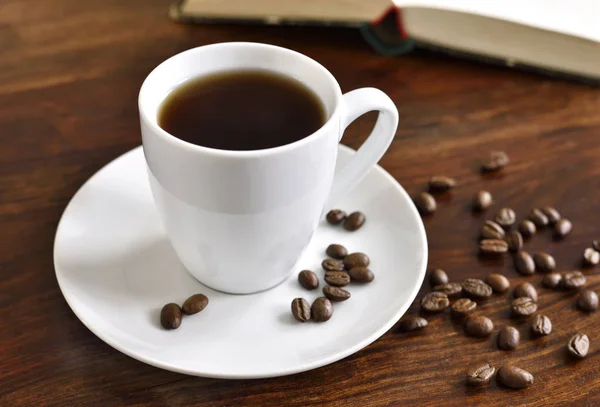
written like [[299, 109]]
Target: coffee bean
[[450, 289], [552, 214], [514, 377], [505, 217], [596, 245], [425, 203], [525, 290], [480, 375], [493, 247], [301, 309], [463, 307], [491, 230], [435, 302], [482, 201], [412, 324], [524, 263], [562, 228], [591, 257], [579, 345], [337, 251], [573, 279], [336, 216], [354, 221], [308, 279], [321, 310], [515, 241], [170, 316], [538, 217], [437, 277], [336, 294], [541, 325], [356, 260], [479, 326], [524, 306], [527, 228], [552, 280], [496, 161], [337, 278], [587, 301], [332, 265], [476, 288], [438, 184], [194, 304], [361, 275], [508, 338], [544, 262], [498, 282]]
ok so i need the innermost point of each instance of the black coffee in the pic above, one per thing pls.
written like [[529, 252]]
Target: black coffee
[[241, 110]]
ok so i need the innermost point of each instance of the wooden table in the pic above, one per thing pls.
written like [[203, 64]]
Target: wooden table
[[69, 76]]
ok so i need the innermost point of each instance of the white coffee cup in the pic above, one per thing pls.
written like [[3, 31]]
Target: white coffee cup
[[239, 220]]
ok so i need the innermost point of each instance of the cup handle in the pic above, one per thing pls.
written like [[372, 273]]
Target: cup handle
[[357, 103]]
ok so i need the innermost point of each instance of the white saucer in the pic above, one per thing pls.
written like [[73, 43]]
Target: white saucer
[[116, 270]]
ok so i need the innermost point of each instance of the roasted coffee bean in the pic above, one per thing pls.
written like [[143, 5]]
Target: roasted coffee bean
[[425, 203], [527, 228], [482, 201], [438, 184], [336, 216], [336, 294], [480, 375], [562, 228], [498, 282], [194, 304], [437, 277], [337, 278], [301, 309], [596, 245], [573, 279], [579, 345], [479, 326], [524, 263], [450, 289], [354, 221], [321, 310], [524, 306], [496, 161], [491, 230], [412, 324], [435, 302], [514, 377], [332, 265], [476, 288], [552, 280], [591, 257], [463, 306], [541, 325], [308, 279], [508, 338], [170, 316], [552, 215], [336, 251], [587, 301], [544, 262], [526, 290], [493, 247], [356, 260], [515, 241], [538, 217], [505, 217], [361, 275]]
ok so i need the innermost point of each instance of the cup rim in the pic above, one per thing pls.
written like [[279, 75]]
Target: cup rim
[[177, 142]]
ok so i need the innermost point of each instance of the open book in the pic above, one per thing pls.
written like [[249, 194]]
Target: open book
[[551, 35]]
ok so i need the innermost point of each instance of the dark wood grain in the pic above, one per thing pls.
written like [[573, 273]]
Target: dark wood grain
[[69, 75]]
